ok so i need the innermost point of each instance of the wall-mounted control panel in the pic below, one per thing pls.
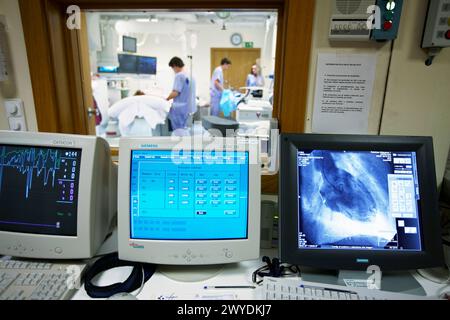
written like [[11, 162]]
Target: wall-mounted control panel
[[437, 25], [365, 20], [389, 20]]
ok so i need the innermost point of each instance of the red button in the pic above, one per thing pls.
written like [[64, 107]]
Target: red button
[[447, 35], [387, 25]]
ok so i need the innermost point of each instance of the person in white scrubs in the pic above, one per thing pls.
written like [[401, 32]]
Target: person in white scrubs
[[217, 86], [183, 96]]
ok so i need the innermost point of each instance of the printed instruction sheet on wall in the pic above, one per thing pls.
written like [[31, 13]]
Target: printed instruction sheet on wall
[[344, 87]]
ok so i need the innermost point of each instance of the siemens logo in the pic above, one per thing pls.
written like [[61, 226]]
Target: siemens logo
[[65, 143], [149, 146], [362, 260]]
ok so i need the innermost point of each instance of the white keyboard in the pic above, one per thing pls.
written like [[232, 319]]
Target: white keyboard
[[296, 289], [23, 280]]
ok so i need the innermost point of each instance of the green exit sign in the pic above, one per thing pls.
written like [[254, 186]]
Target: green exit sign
[[248, 44]]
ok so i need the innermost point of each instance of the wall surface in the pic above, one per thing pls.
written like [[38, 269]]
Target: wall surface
[[417, 99], [19, 83]]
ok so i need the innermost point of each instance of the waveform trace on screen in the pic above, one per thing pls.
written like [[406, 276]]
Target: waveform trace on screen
[[31, 162]]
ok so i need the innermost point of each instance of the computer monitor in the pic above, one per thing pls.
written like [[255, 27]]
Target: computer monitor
[[129, 44], [128, 63], [147, 65], [184, 204], [104, 69], [348, 202], [57, 195]]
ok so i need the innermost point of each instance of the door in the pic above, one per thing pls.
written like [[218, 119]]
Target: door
[[242, 60], [89, 105]]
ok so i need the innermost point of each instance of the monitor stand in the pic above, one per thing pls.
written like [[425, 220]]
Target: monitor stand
[[403, 282], [190, 273]]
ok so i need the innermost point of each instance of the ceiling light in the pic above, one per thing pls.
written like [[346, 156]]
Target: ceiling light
[[154, 20], [142, 20]]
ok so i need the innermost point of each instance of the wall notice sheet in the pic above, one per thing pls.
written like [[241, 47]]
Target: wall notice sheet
[[344, 86]]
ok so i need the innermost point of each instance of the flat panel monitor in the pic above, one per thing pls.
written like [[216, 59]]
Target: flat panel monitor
[[129, 44], [53, 200], [186, 205], [348, 202], [104, 69], [128, 63], [147, 65]]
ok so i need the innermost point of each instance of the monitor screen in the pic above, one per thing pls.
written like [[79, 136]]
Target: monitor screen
[[127, 63], [39, 190], [146, 65], [366, 200], [129, 44], [193, 195], [104, 69]]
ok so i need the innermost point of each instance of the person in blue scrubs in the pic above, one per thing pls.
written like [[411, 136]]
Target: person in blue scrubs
[[254, 79], [217, 86], [183, 96]]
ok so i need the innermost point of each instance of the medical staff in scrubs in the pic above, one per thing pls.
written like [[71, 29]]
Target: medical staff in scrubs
[[183, 96], [254, 79], [217, 86]]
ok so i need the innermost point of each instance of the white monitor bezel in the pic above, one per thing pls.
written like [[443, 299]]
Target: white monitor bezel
[[55, 246], [186, 252]]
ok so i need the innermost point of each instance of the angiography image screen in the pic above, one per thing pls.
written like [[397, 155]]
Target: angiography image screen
[[358, 200]]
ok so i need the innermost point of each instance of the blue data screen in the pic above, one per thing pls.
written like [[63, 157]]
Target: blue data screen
[[191, 195]]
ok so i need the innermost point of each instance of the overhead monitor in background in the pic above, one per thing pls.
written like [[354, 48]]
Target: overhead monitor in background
[[188, 205], [57, 195], [350, 202], [128, 63], [107, 69], [129, 44], [147, 65]]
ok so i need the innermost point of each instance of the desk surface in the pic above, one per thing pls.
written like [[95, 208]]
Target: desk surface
[[240, 274]]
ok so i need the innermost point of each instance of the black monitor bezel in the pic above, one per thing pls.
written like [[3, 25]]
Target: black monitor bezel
[[431, 254]]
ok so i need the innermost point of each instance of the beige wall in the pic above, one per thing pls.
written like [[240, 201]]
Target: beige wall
[[417, 97], [19, 82]]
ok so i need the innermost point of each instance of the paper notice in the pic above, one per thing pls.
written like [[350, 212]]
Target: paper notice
[[344, 86]]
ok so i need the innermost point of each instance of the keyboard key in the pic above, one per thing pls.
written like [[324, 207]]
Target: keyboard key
[[342, 296]]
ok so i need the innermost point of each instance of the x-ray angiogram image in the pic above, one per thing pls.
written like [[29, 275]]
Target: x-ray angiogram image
[[344, 199]]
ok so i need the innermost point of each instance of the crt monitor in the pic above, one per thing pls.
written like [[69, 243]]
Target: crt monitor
[[147, 65], [348, 202], [184, 204], [57, 195]]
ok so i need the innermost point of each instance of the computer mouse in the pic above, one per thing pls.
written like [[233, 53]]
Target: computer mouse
[[123, 296]]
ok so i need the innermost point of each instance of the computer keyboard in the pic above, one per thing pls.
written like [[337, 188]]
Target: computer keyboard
[[296, 289], [24, 280]]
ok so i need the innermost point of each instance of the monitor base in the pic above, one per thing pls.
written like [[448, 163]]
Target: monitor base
[[403, 282], [190, 273]]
